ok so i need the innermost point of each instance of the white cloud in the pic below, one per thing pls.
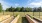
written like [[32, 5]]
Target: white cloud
[[16, 4], [7, 5], [35, 4], [4, 4]]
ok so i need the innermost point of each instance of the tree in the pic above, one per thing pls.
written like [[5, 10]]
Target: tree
[[7, 9], [28, 9], [39, 9], [11, 9], [34, 10], [17, 9], [22, 9], [0, 7]]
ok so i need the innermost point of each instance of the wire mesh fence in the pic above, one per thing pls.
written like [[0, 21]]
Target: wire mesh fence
[[35, 14]]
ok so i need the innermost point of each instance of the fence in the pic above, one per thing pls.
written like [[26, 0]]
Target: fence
[[35, 14]]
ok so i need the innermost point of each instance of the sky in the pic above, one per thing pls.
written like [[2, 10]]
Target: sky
[[20, 3]]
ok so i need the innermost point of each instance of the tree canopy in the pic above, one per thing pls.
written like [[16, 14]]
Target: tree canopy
[[0, 7]]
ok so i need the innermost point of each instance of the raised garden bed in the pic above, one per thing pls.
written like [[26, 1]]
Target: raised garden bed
[[32, 19]]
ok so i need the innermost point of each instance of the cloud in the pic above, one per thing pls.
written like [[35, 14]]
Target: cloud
[[16, 4], [29, 3], [4, 4], [7, 4], [35, 4]]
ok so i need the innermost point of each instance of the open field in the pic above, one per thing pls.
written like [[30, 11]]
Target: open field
[[36, 14], [22, 14]]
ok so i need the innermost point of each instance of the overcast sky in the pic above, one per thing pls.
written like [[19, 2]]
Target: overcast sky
[[20, 3]]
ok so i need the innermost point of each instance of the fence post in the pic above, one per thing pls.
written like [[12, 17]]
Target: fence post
[[13, 13], [24, 13], [33, 13], [3, 12], [39, 14]]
